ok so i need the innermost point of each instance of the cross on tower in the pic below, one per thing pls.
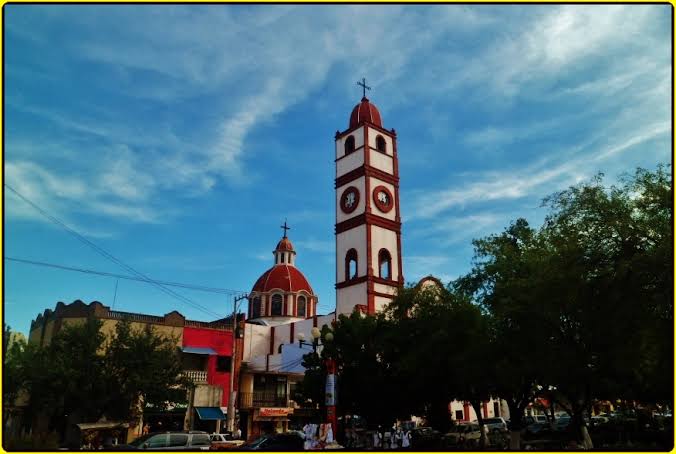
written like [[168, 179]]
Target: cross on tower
[[364, 86], [285, 228]]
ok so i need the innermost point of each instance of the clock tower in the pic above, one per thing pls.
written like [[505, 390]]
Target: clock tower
[[368, 222]]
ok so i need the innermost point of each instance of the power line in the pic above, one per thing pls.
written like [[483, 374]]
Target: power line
[[112, 258], [202, 288]]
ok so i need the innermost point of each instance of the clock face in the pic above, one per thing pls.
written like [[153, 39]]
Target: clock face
[[383, 199], [349, 200]]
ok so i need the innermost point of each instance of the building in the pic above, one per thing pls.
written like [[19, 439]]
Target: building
[[282, 305], [206, 353], [282, 311]]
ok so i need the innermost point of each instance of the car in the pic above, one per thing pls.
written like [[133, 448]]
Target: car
[[561, 423], [537, 428], [170, 441], [224, 441], [287, 441], [463, 434], [496, 424]]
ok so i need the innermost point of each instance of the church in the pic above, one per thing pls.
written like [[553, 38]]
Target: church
[[369, 270], [282, 308]]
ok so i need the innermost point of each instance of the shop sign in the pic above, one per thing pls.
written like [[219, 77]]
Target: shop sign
[[275, 411]]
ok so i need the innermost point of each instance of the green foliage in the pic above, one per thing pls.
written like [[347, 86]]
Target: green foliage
[[79, 377], [142, 366], [578, 309]]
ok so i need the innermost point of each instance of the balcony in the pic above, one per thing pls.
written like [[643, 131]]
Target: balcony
[[197, 376], [259, 399]]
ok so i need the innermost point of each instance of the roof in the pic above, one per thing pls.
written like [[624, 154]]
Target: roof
[[284, 245], [283, 277], [365, 111]]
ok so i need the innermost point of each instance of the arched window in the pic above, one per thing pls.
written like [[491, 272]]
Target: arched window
[[380, 144], [351, 264], [300, 307], [349, 145], [276, 306], [256, 307], [385, 264]]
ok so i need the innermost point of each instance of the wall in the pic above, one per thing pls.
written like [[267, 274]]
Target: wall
[[219, 341], [256, 341]]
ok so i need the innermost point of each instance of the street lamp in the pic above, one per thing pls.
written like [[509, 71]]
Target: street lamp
[[330, 388]]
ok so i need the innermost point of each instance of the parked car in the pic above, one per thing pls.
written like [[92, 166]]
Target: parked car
[[288, 441], [224, 441], [425, 438], [496, 424], [170, 441], [561, 423], [463, 434]]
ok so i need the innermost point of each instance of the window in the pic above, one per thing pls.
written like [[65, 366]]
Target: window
[[351, 264], [459, 415], [380, 144], [385, 264], [158, 441], [178, 440], [349, 145], [223, 363], [276, 308], [300, 306], [256, 307], [496, 409], [200, 440]]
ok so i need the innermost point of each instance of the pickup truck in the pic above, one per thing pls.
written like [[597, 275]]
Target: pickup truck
[[224, 441]]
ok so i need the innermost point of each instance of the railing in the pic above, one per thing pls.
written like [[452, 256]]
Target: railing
[[119, 315], [197, 376], [259, 399]]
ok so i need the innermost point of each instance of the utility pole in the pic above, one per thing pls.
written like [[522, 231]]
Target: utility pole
[[233, 395]]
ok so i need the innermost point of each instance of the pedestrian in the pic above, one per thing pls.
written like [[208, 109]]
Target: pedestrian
[[146, 429], [406, 439], [377, 437]]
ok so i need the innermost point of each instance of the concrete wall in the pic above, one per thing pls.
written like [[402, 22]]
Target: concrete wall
[[256, 341]]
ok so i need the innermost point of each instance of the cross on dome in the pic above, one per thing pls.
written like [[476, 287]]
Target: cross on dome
[[285, 227], [364, 86]]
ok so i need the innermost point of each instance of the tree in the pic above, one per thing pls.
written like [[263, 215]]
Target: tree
[[503, 283], [143, 368], [78, 377], [592, 286]]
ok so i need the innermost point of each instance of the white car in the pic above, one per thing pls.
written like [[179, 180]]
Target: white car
[[463, 434], [496, 424], [224, 441]]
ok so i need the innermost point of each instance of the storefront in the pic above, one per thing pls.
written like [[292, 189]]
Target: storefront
[[268, 420]]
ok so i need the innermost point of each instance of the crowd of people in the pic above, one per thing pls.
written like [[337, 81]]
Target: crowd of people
[[396, 437]]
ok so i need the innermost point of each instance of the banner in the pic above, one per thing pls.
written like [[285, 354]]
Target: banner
[[330, 390]]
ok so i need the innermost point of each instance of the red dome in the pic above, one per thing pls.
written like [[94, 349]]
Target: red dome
[[284, 277], [284, 245], [365, 111]]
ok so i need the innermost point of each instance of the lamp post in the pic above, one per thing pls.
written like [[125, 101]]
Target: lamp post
[[233, 395], [330, 387]]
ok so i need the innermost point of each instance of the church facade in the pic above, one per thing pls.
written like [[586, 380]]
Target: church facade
[[369, 270]]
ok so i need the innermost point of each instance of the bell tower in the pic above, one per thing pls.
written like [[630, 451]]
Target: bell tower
[[368, 221]]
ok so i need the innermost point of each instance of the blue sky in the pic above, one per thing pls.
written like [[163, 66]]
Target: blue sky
[[180, 137]]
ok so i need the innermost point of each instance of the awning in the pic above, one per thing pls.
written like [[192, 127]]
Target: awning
[[210, 413], [102, 425], [199, 350]]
